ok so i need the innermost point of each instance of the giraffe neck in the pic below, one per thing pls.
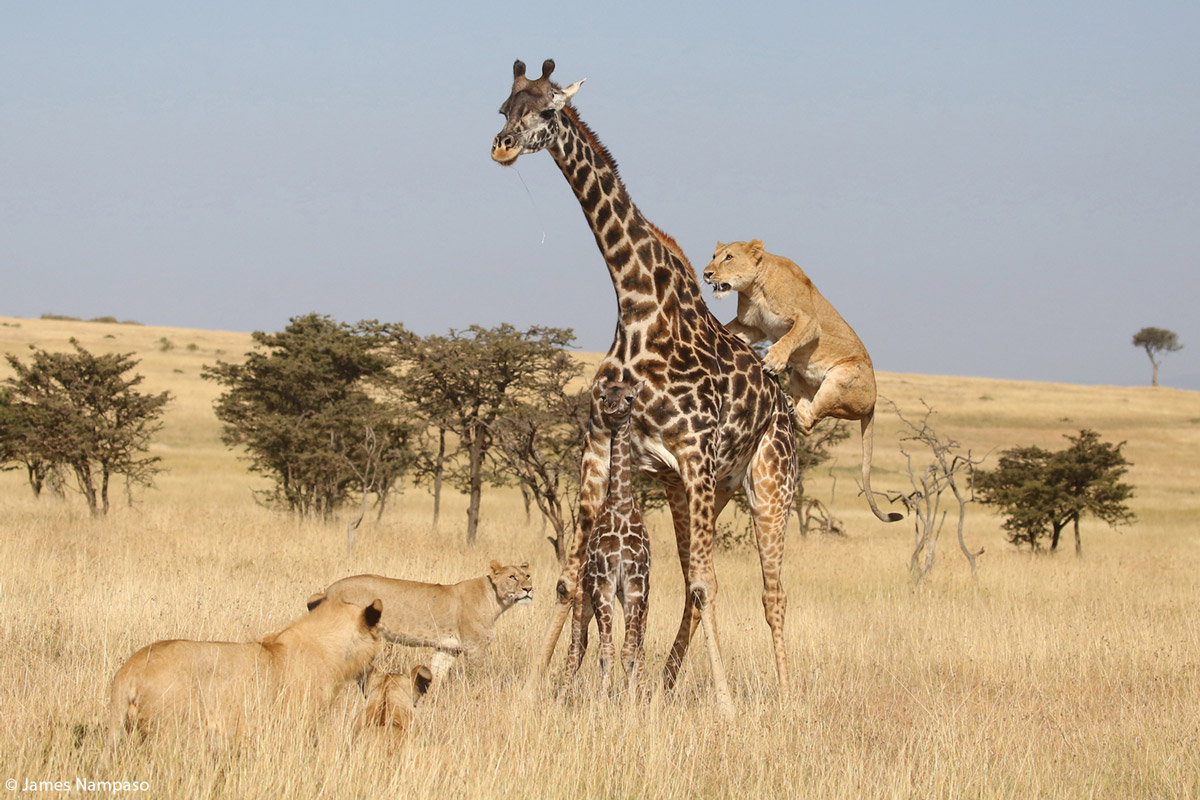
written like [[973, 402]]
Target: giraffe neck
[[620, 471], [645, 264]]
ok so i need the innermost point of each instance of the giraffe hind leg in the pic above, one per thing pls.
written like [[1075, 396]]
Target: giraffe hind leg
[[770, 485]]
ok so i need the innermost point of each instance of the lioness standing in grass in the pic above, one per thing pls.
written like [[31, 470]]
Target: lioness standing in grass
[[452, 619], [215, 683], [832, 374]]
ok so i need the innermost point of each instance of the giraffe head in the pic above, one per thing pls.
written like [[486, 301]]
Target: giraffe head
[[530, 121], [617, 398]]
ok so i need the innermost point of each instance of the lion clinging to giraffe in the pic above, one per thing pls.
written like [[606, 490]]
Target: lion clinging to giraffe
[[831, 372], [709, 419]]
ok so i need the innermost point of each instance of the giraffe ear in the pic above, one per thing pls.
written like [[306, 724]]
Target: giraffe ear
[[573, 88], [559, 97], [756, 248]]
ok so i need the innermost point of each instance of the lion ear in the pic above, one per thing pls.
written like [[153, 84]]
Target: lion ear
[[421, 679], [720, 245], [315, 600], [756, 247], [496, 567], [372, 613], [524, 565]]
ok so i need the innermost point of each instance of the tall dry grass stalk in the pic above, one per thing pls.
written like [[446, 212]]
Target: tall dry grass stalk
[[1043, 677]]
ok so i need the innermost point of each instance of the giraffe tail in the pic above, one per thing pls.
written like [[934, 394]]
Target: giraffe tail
[[868, 442]]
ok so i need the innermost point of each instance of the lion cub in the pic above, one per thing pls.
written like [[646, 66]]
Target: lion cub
[[451, 619], [832, 375], [214, 683], [618, 552], [392, 698]]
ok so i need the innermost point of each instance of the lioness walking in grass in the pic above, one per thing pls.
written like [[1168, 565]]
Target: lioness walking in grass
[[452, 619]]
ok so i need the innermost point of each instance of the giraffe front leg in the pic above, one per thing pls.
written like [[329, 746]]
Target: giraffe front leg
[[593, 482], [603, 599], [581, 619], [680, 517]]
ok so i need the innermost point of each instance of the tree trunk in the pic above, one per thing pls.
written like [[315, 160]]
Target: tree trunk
[[439, 467], [1078, 541], [36, 479], [1154, 378], [83, 475], [104, 489], [476, 484]]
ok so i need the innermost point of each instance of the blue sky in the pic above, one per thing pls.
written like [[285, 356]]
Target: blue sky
[[1002, 190]]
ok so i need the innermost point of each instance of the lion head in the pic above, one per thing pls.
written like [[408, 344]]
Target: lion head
[[734, 267], [512, 584]]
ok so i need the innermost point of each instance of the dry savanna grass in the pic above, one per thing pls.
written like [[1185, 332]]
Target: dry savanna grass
[[1040, 677]]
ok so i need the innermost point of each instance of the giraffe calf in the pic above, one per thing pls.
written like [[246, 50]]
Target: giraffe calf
[[618, 553]]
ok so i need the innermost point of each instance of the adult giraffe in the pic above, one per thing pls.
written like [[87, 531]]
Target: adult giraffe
[[709, 418]]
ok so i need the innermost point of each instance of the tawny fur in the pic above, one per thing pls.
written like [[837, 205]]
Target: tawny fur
[[393, 698], [452, 619], [213, 684], [831, 372]]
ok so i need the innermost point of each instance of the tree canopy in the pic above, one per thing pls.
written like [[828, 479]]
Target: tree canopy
[[303, 408], [1155, 341], [83, 413], [466, 381], [1040, 491]]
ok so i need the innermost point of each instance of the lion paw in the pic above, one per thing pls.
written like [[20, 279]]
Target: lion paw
[[773, 363]]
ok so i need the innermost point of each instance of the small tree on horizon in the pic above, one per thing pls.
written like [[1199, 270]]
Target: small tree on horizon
[[1155, 341]]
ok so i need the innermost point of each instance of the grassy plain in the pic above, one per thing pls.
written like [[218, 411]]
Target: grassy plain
[[1040, 677]]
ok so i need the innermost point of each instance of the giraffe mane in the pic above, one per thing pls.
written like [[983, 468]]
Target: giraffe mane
[[592, 139], [667, 240]]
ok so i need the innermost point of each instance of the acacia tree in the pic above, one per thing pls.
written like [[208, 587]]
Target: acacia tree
[[20, 443], [303, 409], [84, 413], [539, 443], [1041, 492], [1155, 341], [465, 381]]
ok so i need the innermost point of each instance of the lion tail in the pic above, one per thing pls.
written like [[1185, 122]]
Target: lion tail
[[123, 707], [868, 443]]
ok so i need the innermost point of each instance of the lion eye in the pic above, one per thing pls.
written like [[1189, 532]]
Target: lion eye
[[729, 256]]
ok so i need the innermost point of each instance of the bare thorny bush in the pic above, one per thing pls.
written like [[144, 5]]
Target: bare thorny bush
[[948, 469]]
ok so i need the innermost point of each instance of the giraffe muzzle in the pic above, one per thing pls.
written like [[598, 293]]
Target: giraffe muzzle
[[505, 149]]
